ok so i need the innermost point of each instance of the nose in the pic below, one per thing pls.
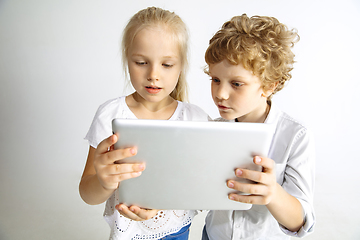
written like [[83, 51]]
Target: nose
[[221, 91], [153, 73]]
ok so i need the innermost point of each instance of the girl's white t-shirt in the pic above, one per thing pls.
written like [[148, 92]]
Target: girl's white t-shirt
[[166, 221]]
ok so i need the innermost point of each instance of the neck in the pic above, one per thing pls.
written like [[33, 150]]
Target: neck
[[143, 109], [258, 117], [152, 106]]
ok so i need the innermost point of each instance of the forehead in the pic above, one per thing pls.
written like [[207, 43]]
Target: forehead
[[227, 70], [155, 38]]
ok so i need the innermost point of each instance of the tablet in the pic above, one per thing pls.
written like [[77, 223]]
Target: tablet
[[188, 163]]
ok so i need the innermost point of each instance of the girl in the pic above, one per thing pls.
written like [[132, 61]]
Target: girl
[[155, 54], [249, 60]]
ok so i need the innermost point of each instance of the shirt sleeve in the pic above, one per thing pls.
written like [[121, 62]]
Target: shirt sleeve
[[100, 127], [300, 178]]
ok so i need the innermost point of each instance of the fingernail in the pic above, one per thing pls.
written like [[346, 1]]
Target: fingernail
[[238, 172], [132, 151], [257, 159], [232, 197], [230, 184], [114, 138]]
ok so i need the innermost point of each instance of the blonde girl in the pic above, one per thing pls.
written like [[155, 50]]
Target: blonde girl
[[154, 49]]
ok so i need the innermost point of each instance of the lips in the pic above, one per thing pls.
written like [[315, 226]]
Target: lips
[[222, 107], [153, 89]]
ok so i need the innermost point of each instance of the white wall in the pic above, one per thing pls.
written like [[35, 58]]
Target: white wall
[[59, 61]]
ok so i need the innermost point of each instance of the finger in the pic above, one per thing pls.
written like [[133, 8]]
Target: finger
[[132, 212], [105, 144], [117, 155], [125, 211], [251, 199], [124, 176], [112, 175], [255, 176], [121, 168], [122, 153], [267, 163], [112, 181], [248, 188], [145, 214], [116, 178]]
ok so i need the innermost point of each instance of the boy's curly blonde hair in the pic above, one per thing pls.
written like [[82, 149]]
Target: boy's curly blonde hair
[[262, 44]]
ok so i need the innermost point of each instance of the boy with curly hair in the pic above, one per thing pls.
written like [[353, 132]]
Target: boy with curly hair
[[249, 60]]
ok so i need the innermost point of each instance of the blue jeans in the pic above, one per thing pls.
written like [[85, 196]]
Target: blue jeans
[[182, 234]]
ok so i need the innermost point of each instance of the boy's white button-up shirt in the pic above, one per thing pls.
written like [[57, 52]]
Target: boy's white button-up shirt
[[293, 151]]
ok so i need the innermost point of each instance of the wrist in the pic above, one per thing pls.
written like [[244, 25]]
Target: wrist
[[92, 191], [286, 209], [275, 197]]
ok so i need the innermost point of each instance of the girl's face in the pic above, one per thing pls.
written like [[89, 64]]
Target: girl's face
[[237, 92], [154, 64]]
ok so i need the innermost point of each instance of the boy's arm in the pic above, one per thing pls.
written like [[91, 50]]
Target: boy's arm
[[287, 210]]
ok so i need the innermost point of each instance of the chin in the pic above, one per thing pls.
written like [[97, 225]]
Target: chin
[[227, 116]]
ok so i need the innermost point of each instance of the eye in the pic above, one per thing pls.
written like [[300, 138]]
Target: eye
[[237, 84], [215, 80], [140, 62], [168, 65]]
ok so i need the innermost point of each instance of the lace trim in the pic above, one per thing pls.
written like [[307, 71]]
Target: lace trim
[[164, 223], [161, 234]]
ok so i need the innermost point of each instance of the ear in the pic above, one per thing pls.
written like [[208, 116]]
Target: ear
[[270, 89]]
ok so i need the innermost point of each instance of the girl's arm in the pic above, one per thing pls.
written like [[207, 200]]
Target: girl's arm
[[285, 208], [102, 175]]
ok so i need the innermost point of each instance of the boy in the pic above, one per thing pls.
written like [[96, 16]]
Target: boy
[[249, 60]]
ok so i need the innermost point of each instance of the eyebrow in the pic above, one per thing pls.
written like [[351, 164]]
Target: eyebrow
[[140, 55], [236, 78]]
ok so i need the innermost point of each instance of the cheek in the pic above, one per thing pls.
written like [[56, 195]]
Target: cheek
[[170, 81], [174, 77], [213, 91], [133, 78], [132, 72]]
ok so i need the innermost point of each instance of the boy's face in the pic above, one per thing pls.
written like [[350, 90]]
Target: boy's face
[[237, 92]]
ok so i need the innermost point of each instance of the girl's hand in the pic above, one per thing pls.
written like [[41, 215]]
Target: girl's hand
[[136, 213], [109, 173], [263, 191]]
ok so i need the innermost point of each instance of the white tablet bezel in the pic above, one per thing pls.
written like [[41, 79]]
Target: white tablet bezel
[[188, 163]]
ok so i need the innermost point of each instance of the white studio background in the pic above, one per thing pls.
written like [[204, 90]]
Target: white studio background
[[59, 60]]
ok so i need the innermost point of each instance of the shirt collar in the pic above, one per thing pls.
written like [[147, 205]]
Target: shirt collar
[[273, 115]]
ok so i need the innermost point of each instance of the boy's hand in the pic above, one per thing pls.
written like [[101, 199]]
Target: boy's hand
[[136, 213], [263, 190], [109, 173]]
